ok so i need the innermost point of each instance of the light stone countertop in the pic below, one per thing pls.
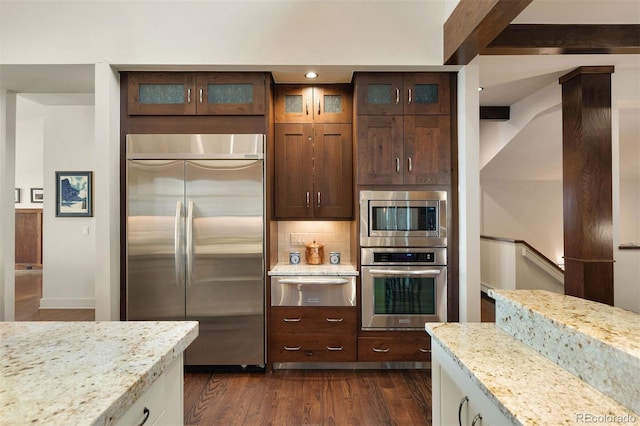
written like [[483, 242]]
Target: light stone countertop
[[527, 387], [594, 341], [304, 269], [82, 373]]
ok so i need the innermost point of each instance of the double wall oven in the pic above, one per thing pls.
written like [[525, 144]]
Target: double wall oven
[[403, 263]]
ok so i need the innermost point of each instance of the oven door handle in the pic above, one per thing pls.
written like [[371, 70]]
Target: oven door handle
[[399, 272]]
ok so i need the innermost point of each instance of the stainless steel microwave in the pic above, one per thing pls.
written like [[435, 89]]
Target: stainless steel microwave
[[403, 218]]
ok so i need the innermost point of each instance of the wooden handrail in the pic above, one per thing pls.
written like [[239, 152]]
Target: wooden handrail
[[526, 244]]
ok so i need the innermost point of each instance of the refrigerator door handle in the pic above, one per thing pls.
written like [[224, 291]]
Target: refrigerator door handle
[[189, 242], [177, 238]]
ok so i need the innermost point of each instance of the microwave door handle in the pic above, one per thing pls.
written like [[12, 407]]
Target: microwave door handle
[[398, 272]]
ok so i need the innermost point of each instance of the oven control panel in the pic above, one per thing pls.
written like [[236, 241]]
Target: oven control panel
[[404, 256]]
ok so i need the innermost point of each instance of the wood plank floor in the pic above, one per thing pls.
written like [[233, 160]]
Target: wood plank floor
[[308, 397], [280, 398]]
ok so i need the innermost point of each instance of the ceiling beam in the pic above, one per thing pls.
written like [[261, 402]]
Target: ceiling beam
[[473, 24], [557, 39]]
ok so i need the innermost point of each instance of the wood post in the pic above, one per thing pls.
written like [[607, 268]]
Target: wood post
[[587, 180]]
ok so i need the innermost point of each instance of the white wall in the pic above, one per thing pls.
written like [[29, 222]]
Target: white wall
[[29, 150], [68, 255], [521, 178]]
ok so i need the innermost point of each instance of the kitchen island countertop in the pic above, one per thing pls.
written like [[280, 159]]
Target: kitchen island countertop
[[83, 372]]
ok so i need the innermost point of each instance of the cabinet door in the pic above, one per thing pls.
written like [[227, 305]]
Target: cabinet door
[[427, 93], [228, 93], [380, 150], [333, 171], [333, 104], [294, 104], [161, 93], [427, 150], [379, 94], [293, 181]]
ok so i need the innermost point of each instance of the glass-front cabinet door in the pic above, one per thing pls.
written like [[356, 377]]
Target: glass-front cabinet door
[[379, 94], [161, 93], [426, 94], [331, 103], [230, 93]]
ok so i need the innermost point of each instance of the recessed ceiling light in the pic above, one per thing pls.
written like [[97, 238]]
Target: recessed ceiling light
[[480, 89], [311, 74]]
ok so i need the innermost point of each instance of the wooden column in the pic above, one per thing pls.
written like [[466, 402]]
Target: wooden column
[[587, 206]]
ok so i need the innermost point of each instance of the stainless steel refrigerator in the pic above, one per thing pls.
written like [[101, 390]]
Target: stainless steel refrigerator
[[195, 240]]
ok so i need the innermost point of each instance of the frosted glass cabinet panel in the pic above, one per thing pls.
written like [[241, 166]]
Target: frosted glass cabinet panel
[[403, 93], [188, 93], [314, 104]]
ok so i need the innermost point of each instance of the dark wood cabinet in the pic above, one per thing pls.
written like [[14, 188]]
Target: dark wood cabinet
[[395, 347], [312, 334], [313, 175], [28, 248], [403, 129], [189, 93], [313, 104], [403, 93]]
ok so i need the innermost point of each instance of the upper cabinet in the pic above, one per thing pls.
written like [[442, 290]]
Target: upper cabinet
[[403, 128], [313, 176], [313, 104], [403, 94], [188, 93]]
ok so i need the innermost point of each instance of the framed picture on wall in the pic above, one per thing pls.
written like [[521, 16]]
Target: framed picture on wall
[[37, 195], [17, 195], [74, 196]]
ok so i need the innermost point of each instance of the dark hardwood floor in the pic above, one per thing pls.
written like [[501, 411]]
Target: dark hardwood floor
[[280, 398], [308, 397]]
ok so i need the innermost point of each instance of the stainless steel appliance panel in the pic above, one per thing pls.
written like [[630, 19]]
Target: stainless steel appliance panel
[[155, 248], [318, 290], [403, 218], [402, 288], [195, 240]]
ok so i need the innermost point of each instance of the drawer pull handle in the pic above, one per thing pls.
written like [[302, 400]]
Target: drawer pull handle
[[290, 348], [462, 401], [292, 319], [423, 350], [334, 348], [146, 415], [475, 419], [381, 350], [335, 319]]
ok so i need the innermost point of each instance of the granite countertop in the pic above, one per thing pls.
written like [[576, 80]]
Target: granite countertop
[[75, 373], [304, 269], [527, 387]]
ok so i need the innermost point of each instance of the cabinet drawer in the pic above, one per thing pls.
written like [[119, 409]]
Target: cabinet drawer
[[295, 347], [316, 320], [373, 349]]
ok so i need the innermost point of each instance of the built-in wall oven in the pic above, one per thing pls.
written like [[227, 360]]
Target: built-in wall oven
[[403, 287]]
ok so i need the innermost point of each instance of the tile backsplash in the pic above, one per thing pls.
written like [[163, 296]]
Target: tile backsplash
[[294, 235]]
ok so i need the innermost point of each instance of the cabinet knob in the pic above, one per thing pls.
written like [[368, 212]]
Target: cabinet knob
[[462, 401]]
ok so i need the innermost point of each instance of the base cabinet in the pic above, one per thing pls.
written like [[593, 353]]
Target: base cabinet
[[160, 404], [403, 346], [457, 399], [313, 334]]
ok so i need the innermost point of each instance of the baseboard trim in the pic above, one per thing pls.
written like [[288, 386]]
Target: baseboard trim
[[52, 303]]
